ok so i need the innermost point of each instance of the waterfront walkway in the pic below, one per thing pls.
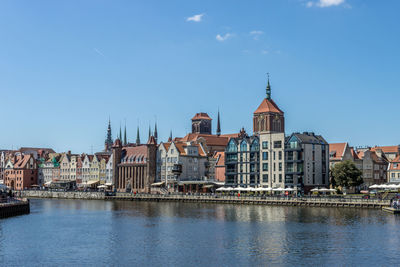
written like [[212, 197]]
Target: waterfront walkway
[[259, 200], [323, 201]]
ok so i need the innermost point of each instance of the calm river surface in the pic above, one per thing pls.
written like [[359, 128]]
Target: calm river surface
[[112, 233]]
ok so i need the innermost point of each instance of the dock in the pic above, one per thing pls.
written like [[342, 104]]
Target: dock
[[391, 210], [14, 207]]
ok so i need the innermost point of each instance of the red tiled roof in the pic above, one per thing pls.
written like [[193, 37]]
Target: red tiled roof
[[268, 105], [21, 161], [387, 149], [201, 116], [134, 152], [338, 148], [397, 161], [234, 135], [211, 140], [355, 156]]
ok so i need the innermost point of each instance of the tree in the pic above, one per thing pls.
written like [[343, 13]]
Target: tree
[[346, 174]]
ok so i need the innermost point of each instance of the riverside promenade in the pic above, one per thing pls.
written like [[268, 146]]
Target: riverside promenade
[[344, 202], [14, 207]]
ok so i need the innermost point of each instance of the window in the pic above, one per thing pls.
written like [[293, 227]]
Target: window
[[243, 146], [265, 145], [265, 178], [232, 146], [278, 144], [265, 167], [280, 166], [254, 145], [280, 178], [265, 155], [280, 155]]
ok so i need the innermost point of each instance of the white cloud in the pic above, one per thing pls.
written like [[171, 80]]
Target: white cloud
[[195, 18], [256, 34], [224, 37], [325, 3], [98, 52], [264, 52]]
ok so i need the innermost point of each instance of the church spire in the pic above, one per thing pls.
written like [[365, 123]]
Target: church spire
[[268, 89], [120, 132], [218, 125], [149, 131], [155, 132], [137, 137], [109, 141], [170, 137], [125, 140]]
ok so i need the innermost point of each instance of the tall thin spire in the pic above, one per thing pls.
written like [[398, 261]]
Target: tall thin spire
[[120, 132], [125, 140], [149, 130], [218, 125], [170, 137], [155, 131], [138, 137], [268, 89], [109, 141]]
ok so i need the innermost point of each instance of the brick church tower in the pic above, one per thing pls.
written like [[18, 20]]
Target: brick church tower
[[201, 123]]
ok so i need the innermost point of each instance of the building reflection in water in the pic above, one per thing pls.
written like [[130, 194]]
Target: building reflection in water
[[161, 233]]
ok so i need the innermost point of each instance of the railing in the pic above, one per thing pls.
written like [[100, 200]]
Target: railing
[[341, 200]]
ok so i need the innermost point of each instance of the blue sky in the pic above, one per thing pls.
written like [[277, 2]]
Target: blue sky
[[66, 66]]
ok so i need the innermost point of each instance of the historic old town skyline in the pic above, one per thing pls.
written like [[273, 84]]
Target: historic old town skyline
[[327, 71]]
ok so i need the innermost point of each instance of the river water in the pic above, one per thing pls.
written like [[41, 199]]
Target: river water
[[123, 233]]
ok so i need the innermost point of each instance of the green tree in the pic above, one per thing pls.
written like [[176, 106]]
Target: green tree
[[346, 174]]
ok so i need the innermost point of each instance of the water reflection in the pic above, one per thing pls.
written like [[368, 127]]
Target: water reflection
[[60, 232]]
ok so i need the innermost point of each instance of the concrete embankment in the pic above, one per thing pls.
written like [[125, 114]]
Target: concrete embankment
[[15, 208], [250, 200]]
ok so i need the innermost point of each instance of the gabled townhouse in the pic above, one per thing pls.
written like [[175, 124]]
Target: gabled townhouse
[[109, 171], [178, 163], [394, 170], [22, 173]]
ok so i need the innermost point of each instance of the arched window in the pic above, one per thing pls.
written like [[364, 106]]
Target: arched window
[[262, 125], [255, 145], [243, 146], [232, 147]]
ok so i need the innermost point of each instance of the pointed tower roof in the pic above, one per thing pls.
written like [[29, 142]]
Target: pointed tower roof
[[170, 137], [218, 125], [268, 105], [155, 131], [120, 132], [125, 140], [149, 131], [138, 137], [151, 141]]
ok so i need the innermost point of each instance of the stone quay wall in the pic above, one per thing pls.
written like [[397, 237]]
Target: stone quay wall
[[14, 208], [301, 201], [57, 194]]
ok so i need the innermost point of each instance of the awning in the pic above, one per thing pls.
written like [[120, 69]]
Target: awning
[[192, 182], [47, 183], [208, 186], [92, 182], [158, 183], [108, 184], [102, 186]]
